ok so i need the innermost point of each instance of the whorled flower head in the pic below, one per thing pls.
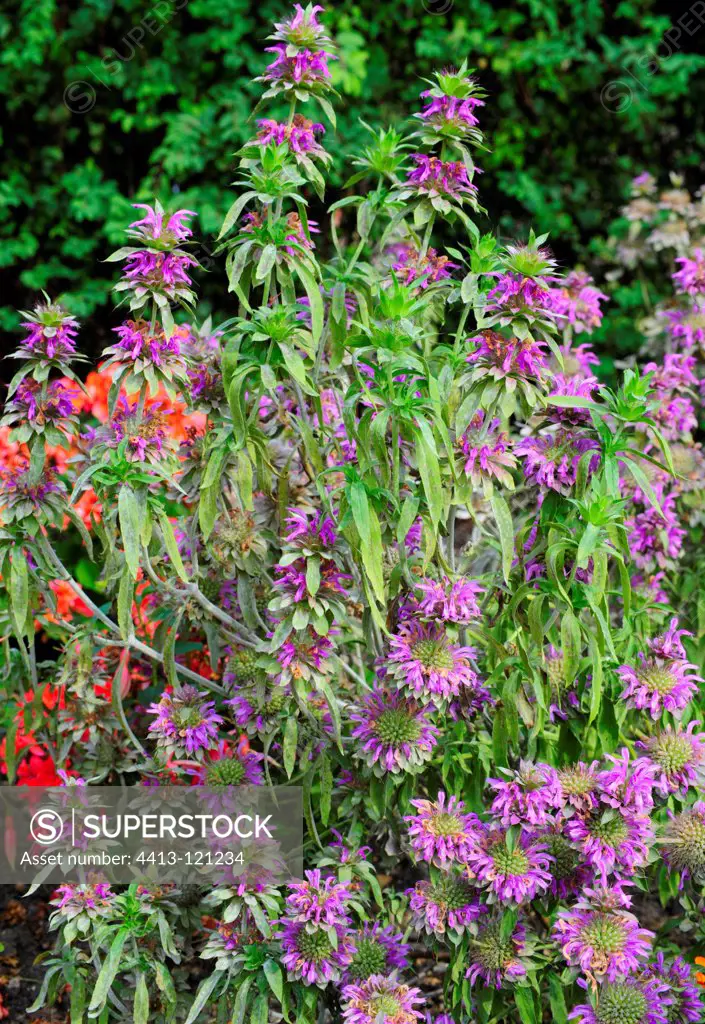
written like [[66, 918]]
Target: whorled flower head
[[445, 179], [32, 404], [302, 29], [528, 796], [604, 940], [21, 498], [511, 869], [72, 899], [517, 295], [318, 900], [186, 722], [309, 955], [579, 786], [655, 539], [576, 299], [687, 326], [677, 756], [685, 1006], [690, 278], [144, 348], [304, 69], [228, 767], [424, 660], [568, 873], [495, 958], [663, 681], [611, 841], [378, 950], [551, 460], [628, 784], [450, 600], [299, 136], [411, 268], [629, 1001], [501, 357], [441, 832], [684, 842], [51, 334], [487, 453], [574, 386], [393, 732], [446, 904], [310, 532], [381, 999]]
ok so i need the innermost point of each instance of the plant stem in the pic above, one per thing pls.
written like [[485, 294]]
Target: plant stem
[[451, 537], [427, 235]]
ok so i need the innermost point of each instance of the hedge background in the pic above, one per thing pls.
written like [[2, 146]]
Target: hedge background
[[111, 101]]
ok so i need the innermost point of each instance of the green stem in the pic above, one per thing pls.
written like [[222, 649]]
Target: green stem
[[427, 236], [451, 537]]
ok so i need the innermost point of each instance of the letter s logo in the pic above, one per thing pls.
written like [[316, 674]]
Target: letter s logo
[[46, 827]]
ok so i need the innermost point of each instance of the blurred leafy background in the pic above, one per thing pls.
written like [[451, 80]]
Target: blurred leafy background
[[113, 101]]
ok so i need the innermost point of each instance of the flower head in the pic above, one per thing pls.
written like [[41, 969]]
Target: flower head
[[424, 660], [527, 796], [684, 842], [318, 900], [677, 756], [496, 958], [299, 135], [309, 955], [487, 453], [685, 1006], [450, 600], [448, 904], [552, 459], [655, 539], [511, 869], [444, 179], [612, 841], [578, 301], [690, 278], [628, 1001], [52, 334], [501, 357], [186, 722], [381, 999], [378, 950], [154, 229], [441, 832], [393, 732], [662, 681], [412, 268]]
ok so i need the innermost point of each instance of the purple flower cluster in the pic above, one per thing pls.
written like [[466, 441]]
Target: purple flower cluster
[[412, 268], [578, 301], [425, 661], [487, 453], [551, 460], [186, 723], [393, 732], [299, 135], [664, 680], [690, 278], [433, 177], [502, 357], [441, 832], [51, 334]]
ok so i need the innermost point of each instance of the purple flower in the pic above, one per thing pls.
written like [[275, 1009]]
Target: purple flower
[[690, 279], [52, 334], [29, 404], [413, 269], [552, 459], [629, 785], [663, 681], [575, 386], [578, 300], [674, 374], [153, 228], [447, 179], [684, 842], [139, 345], [292, 580], [500, 357], [449, 111], [309, 531], [186, 722], [494, 957], [630, 1001], [381, 999], [655, 538], [309, 955], [487, 452], [424, 660], [303, 69], [516, 295], [299, 136], [512, 869], [319, 901], [578, 359], [685, 1005], [72, 899], [378, 950], [678, 758], [303, 658], [450, 600], [579, 785], [687, 326], [447, 904], [527, 796], [441, 832], [168, 272], [604, 940], [612, 841], [676, 417], [394, 733]]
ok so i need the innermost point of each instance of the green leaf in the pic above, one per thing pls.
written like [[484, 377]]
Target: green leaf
[[429, 471], [313, 293], [234, 212], [291, 736], [170, 543], [556, 998], [275, 978], [526, 1004], [571, 645], [130, 526], [205, 990], [505, 527], [140, 1011], [126, 591], [19, 591], [368, 529], [110, 967], [326, 787]]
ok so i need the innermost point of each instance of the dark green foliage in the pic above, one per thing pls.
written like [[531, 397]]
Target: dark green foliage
[[161, 92]]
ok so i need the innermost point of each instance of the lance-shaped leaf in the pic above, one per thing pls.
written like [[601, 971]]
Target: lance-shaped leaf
[[130, 515], [368, 529]]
